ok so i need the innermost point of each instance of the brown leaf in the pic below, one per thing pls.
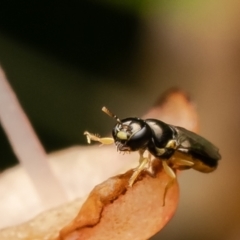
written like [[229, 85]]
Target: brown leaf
[[115, 211]]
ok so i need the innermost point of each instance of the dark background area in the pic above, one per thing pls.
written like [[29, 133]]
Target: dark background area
[[98, 39], [86, 34]]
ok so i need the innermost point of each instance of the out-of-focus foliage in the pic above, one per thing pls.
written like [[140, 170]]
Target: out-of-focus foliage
[[145, 6]]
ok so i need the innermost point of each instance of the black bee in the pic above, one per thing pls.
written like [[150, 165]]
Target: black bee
[[176, 147]]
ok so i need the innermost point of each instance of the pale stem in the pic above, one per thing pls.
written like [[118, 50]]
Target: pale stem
[[27, 146]]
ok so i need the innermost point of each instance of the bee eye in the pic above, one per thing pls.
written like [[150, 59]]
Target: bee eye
[[122, 135]]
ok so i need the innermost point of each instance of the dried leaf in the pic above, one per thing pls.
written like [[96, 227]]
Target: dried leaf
[[115, 211]]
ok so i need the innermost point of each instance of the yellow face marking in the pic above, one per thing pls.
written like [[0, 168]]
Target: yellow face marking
[[122, 135]]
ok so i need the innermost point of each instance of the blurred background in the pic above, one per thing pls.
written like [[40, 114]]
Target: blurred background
[[66, 59]]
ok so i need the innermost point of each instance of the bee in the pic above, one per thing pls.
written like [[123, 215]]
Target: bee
[[177, 147]]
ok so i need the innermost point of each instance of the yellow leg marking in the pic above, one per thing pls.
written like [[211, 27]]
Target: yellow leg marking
[[168, 186], [150, 160], [169, 171], [141, 152], [183, 162], [91, 137], [149, 168], [142, 165], [137, 171]]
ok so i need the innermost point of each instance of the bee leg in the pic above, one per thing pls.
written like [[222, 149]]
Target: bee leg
[[92, 137], [137, 171], [141, 152], [142, 165], [170, 172], [184, 163], [149, 168]]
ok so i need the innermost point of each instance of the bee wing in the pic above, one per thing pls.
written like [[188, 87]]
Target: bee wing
[[190, 142]]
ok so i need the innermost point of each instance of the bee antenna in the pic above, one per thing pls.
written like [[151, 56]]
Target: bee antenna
[[104, 109]]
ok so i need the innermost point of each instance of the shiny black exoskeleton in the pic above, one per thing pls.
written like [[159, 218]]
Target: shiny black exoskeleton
[[176, 147], [170, 143]]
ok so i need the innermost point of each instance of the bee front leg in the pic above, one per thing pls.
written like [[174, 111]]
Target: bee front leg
[[96, 138], [143, 162], [170, 172]]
